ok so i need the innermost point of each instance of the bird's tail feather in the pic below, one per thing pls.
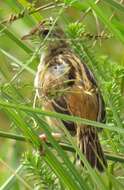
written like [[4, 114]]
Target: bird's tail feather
[[90, 146]]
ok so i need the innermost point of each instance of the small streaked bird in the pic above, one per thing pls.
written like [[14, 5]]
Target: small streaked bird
[[66, 85]]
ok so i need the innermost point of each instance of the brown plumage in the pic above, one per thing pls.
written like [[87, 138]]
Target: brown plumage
[[66, 85]]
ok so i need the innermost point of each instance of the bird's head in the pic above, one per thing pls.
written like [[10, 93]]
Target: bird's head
[[53, 72], [48, 29]]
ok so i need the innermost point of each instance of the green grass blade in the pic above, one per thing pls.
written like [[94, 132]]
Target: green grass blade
[[62, 154], [9, 183], [60, 171], [29, 133], [66, 147], [92, 173], [18, 62], [106, 21], [15, 39], [115, 4], [61, 116], [13, 177]]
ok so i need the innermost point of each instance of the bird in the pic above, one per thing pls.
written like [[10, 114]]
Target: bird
[[65, 84]]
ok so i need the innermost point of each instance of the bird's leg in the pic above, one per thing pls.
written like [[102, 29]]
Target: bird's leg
[[56, 136], [43, 137]]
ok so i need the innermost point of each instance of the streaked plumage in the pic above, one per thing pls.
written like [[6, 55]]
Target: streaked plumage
[[66, 85]]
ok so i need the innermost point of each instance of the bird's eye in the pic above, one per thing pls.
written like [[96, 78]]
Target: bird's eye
[[55, 67]]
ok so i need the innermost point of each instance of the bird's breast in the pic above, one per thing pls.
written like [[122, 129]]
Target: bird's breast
[[82, 103]]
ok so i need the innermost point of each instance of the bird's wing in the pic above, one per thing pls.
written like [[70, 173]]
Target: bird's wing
[[78, 67], [60, 105], [101, 104], [78, 102]]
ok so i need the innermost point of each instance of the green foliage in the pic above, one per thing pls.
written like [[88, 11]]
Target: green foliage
[[109, 75], [38, 173], [75, 30], [69, 2], [54, 169]]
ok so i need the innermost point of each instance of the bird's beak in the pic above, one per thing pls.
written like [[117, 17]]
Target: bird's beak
[[34, 30]]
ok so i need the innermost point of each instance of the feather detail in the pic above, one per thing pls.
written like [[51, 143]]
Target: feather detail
[[88, 142], [70, 88]]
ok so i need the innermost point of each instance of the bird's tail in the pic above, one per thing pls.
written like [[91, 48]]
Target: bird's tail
[[89, 144]]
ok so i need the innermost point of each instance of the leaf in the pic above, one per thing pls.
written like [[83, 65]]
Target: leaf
[[106, 21]]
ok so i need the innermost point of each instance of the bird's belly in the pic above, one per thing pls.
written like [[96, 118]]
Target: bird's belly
[[53, 122]]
